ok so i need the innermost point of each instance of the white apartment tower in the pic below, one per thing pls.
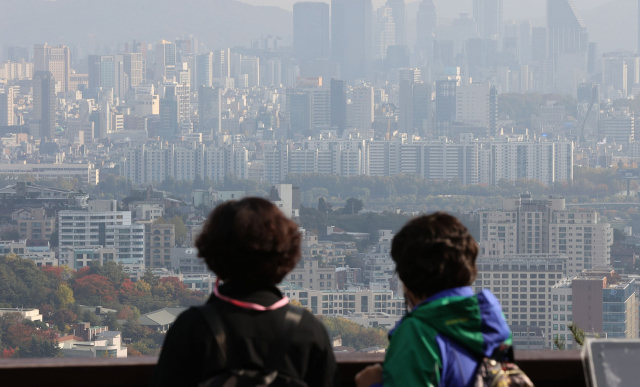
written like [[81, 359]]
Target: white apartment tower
[[103, 225], [362, 107]]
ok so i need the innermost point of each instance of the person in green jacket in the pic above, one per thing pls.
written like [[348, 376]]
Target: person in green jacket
[[448, 329]]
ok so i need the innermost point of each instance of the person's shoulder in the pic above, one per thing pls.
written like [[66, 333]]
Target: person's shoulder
[[310, 326], [412, 326], [190, 319]]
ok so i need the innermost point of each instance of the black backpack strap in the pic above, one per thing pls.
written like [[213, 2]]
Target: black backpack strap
[[291, 321], [213, 319]]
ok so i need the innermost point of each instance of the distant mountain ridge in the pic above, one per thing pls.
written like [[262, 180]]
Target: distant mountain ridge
[[219, 23]]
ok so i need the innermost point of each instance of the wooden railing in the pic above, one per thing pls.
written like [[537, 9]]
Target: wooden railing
[[545, 368]]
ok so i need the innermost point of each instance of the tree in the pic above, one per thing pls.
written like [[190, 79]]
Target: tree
[[353, 334], [10, 235], [91, 318], [64, 295], [352, 206], [618, 235], [180, 229], [322, 205], [577, 333], [94, 289], [112, 270], [111, 320]]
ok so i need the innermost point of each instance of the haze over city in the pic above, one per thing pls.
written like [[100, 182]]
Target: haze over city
[[332, 164]]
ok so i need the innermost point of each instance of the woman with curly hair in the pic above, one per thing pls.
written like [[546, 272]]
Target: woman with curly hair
[[247, 330]]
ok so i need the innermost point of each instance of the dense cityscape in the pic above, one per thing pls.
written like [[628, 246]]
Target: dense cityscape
[[355, 120]]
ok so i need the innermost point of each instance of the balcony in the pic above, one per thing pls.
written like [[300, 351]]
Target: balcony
[[545, 368]]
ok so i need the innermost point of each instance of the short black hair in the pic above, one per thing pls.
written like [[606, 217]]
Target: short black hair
[[433, 253], [250, 240]]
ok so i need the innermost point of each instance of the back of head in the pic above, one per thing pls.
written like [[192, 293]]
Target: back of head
[[249, 240], [433, 253]]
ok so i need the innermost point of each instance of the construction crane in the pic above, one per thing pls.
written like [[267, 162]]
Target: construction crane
[[594, 97]]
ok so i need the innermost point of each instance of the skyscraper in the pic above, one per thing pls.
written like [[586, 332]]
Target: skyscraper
[[204, 70], [165, 59], [488, 17], [222, 63], [445, 105], [311, 36], [406, 79], [44, 103], [362, 107], [338, 104], [107, 72], [6, 107], [209, 109], [300, 106], [525, 42], [493, 111], [352, 37], [427, 21], [567, 32], [384, 33], [422, 108], [399, 14], [133, 69], [539, 44], [56, 60]]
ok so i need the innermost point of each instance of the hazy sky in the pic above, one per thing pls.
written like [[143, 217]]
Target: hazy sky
[[513, 9]]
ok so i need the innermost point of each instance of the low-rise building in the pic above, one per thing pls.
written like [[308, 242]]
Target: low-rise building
[[102, 343], [29, 314], [35, 224], [160, 320], [159, 239], [310, 274]]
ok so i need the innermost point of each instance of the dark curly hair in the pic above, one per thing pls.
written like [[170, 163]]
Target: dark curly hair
[[433, 253], [251, 240]]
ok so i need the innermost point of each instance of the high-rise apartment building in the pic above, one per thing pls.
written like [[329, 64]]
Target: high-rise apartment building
[[351, 37], [527, 226], [6, 107], [338, 104], [362, 107], [522, 283], [210, 110], [311, 31], [56, 60], [44, 104]]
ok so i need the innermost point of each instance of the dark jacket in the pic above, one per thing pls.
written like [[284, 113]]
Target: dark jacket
[[190, 354]]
